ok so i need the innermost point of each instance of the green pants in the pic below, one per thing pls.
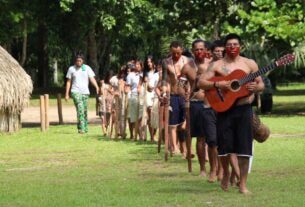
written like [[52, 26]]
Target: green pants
[[81, 104]]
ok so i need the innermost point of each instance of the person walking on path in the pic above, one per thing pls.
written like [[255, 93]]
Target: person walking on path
[[78, 77]]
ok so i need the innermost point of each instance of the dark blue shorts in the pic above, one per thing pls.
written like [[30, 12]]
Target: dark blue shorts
[[177, 110], [203, 122], [234, 131]]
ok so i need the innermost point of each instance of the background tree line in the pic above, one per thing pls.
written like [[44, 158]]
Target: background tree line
[[43, 35]]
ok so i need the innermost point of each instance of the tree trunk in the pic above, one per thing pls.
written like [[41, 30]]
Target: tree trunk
[[43, 61], [216, 30], [104, 58], [92, 52], [24, 43]]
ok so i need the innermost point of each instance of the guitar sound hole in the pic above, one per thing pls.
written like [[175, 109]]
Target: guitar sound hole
[[235, 85]]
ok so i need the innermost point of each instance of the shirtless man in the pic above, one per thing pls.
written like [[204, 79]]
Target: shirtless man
[[218, 50], [178, 71], [203, 117], [234, 128]]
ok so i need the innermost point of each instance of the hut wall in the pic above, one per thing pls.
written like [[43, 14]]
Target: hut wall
[[9, 122]]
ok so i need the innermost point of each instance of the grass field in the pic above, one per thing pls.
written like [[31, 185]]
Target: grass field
[[62, 168]]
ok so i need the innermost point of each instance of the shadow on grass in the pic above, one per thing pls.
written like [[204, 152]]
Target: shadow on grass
[[294, 92], [37, 124], [190, 187], [286, 109]]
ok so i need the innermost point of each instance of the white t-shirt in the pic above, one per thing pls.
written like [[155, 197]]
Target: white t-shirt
[[80, 78], [133, 80], [152, 79]]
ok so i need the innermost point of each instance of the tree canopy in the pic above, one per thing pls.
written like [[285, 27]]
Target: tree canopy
[[43, 35]]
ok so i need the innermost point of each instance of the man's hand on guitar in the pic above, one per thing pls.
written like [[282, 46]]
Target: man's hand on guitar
[[224, 85], [252, 86]]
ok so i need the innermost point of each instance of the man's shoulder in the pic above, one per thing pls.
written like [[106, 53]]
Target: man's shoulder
[[87, 67], [249, 62], [214, 65]]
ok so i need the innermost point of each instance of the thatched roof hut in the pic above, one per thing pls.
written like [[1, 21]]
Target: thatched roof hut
[[15, 89]]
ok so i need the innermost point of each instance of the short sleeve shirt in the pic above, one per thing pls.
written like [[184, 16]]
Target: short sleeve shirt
[[80, 78], [133, 80], [153, 79]]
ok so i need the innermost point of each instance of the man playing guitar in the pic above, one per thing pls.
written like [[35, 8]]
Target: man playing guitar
[[234, 128]]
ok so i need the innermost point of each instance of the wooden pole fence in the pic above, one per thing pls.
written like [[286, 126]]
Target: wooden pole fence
[[46, 103], [59, 109], [42, 114]]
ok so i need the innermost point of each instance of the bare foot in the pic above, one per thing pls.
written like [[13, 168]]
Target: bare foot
[[224, 184], [212, 177], [219, 176], [202, 174], [245, 191], [233, 182], [184, 156]]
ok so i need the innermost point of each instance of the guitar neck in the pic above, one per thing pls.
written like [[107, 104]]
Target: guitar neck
[[261, 71]]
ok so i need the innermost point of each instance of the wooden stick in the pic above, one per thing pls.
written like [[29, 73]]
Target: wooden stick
[[144, 114], [104, 114], [137, 118], [46, 102], [125, 115], [59, 109], [42, 114], [117, 115], [161, 125], [166, 118], [110, 125], [189, 138]]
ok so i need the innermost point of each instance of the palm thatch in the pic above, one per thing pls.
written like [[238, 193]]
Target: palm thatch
[[15, 89]]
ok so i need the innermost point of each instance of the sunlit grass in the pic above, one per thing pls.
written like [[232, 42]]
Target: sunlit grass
[[62, 168]]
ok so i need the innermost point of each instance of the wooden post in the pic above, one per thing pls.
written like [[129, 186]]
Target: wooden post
[[59, 108], [42, 114], [46, 102]]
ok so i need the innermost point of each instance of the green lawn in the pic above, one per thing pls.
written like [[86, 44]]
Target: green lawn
[[62, 168], [289, 99]]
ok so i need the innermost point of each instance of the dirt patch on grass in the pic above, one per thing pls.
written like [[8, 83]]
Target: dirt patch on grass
[[31, 115]]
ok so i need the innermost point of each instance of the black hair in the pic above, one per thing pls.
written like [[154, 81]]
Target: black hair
[[187, 53], [232, 36], [175, 44], [146, 67], [197, 41], [217, 43], [79, 54], [109, 74], [208, 45]]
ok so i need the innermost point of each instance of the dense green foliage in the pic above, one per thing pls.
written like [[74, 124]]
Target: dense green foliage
[[43, 33]]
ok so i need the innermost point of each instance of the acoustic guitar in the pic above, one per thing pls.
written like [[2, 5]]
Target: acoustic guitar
[[222, 100]]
